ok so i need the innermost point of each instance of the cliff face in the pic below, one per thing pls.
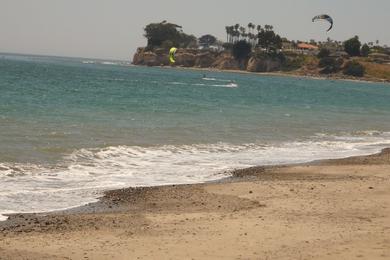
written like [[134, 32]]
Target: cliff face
[[204, 59], [263, 65], [148, 58], [225, 61]]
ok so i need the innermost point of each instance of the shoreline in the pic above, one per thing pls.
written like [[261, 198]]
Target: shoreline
[[279, 74], [323, 209], [236, 175]]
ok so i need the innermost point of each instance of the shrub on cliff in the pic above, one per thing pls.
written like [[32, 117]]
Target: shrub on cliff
[[293, 62], [365, 50], [354, 68], [323, 53], [329, 65], [380, 49], [276, 56], [227, 46]]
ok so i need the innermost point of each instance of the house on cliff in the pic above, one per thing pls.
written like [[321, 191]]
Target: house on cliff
[[307, 49]]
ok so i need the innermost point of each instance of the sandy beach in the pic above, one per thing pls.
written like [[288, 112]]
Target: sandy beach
[[259, 132], [333, 209]]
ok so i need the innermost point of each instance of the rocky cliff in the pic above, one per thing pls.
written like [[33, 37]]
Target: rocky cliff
[[204, 59]]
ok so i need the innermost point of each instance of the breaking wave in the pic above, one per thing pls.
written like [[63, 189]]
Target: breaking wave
[[83, 175]]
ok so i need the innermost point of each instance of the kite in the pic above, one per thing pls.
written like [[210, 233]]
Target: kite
[[172, 52], [324, 17]]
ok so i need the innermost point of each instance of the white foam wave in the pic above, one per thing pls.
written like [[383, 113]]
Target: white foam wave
[[120, 63], [215, 79], [177, 83], [230, 85], [4, 217], [109, 63], [83, 175]]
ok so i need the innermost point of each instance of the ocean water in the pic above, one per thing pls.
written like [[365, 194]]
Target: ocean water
[[72, 128]]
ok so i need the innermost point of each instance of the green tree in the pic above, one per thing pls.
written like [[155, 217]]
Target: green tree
[[167, 44], [241, 50], [187, 41], [268, 39], [352, 46], [158, 33], [207, 40], [365, 50]]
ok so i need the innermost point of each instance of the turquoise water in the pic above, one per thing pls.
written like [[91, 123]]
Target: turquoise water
[[72, 127]]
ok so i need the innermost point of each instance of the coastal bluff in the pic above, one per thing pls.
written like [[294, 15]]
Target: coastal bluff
[[196, 58]]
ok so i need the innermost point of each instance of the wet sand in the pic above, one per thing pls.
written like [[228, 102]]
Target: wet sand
[[332, 209]]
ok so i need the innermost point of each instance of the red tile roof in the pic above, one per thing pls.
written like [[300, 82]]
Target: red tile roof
[[307, 46]]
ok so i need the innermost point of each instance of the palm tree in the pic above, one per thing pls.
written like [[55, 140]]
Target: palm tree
[[258, 28], [232, 34], [236, 26], [252, 38], [227, 33], [250, 27], [251, 35], [268, 27], [236, 32], [242, 31]]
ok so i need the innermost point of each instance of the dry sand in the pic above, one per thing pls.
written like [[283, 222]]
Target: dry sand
[[335, 209]]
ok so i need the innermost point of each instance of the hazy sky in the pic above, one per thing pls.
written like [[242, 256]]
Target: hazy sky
[[112, 29]]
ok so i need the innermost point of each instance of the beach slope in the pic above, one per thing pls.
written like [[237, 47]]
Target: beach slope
[[334, 209]]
